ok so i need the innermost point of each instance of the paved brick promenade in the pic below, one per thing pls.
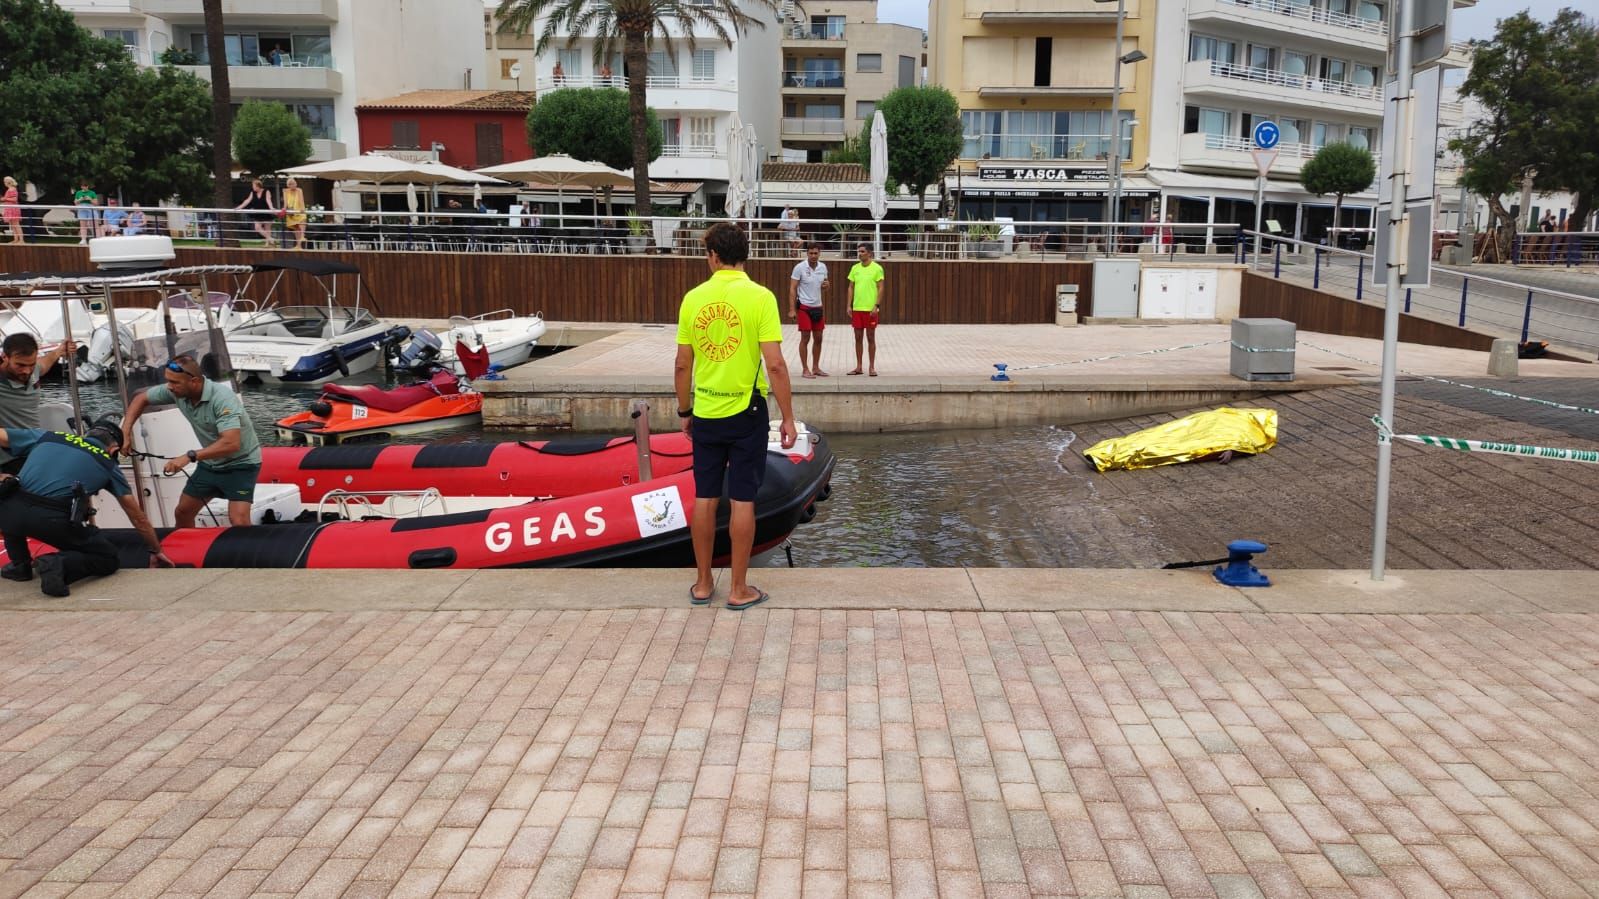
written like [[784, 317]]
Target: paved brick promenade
[[650, 751]]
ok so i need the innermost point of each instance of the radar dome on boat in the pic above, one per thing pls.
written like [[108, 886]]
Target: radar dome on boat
[[137, 251]]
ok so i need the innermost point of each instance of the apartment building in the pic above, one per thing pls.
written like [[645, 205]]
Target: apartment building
[[838, 62], [1315, 68], [694, 90], [320, 58], [1035, 80]]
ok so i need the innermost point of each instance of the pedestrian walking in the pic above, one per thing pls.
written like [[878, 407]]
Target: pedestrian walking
[[806, 287], [11, 209], [866, 292], [49, 501], [229, 461], [726, 328]]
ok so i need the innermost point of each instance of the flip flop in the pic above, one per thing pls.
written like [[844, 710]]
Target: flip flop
[[821, 374], [874, 374], [760, 597], [855, 372], [808, 376], [699, 601]]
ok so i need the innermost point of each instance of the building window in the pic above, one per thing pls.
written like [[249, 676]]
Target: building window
[[1201, 47], [704, 65], [702, 133], [405, 134], [827, 28], [127, 37], [1359, 137], [490, 144], [868, 62], [571, 62], [506, 65], [662, 64], [824, 111], [865, 108], [907, 71]]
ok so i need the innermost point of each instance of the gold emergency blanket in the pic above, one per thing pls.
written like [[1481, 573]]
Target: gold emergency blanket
[[1197, 436]]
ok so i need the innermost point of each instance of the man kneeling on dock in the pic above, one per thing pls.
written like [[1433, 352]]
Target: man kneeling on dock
[[49, 501]]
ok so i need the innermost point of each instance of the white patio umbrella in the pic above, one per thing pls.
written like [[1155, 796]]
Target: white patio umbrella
[[410, 199], [737, 196], [749, 153], [877, 201], [376, 169], [560, 172]]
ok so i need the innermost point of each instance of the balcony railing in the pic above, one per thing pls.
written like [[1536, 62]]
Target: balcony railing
[[689, 151], [1312, 13], [813, 126], [652, 82], [1285, 149], [285, 61], [1041, 146], [815, 32], [1280, 78], [824, 80]]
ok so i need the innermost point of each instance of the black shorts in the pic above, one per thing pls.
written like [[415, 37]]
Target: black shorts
[[733, 448]]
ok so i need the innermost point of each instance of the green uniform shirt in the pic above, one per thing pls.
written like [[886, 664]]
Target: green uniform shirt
[[19, 407], [218, 410], [55, 464], [865, 278], [84, 197], [726, 320]]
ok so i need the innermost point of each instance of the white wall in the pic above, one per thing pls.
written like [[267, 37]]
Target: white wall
[[388, 47], [760, 78], [1165, 125]]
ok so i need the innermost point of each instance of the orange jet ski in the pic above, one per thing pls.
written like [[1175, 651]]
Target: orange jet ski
[[368, 412]]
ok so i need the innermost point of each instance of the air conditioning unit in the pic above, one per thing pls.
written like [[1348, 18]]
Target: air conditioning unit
[[138, 251]]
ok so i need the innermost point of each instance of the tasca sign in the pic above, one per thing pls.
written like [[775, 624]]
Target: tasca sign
[[1038, 173]]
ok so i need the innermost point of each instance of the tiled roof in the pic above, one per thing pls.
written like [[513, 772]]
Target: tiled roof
[[514, 101], [821, 172]]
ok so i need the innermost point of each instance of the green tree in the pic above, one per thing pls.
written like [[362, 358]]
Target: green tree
[[267, 138], [924, 137], [74, 106], [638, 23], [590, 123], [1338, 169], [1539, 89], [856, 148]]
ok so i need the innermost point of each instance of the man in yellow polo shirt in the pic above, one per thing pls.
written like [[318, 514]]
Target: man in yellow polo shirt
[[866, 294], [726, 328]]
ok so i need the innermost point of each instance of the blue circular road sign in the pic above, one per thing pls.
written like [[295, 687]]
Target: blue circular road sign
[[1267, 135]]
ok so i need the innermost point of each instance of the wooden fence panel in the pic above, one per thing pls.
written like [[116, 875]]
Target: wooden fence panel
[[1315, 310], [637, 288]]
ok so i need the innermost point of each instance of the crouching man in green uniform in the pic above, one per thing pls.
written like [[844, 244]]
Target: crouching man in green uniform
[[49, 501], [230, 460]]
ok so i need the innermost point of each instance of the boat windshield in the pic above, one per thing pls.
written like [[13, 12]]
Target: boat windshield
[[306, 322]]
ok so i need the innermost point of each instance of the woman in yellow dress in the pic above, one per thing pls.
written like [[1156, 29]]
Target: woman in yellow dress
[[294, 206]]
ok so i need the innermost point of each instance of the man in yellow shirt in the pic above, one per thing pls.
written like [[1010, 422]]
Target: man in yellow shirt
[[866, 294], [726, 328]]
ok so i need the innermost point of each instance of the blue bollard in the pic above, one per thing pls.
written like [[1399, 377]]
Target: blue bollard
[[1277, 261], [1315, 281], [1002, 376], [1360, 278], [1465, 284], [1526, 318], [1238, 572], [1407, 301]]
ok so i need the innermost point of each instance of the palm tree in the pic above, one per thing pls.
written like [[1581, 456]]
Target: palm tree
[[639, 22], [221, 116]]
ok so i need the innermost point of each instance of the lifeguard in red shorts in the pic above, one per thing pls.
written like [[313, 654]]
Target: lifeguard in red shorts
[[866, 292], [806, 287]]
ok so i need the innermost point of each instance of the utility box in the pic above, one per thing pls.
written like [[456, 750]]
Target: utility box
[[1116, 288], [1263, 349], [1066, 305], [1178, 293]]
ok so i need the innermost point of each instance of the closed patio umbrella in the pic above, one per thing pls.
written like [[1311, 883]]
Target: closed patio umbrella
[[877, 201]]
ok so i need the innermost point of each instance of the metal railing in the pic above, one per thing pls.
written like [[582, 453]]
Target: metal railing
[[1280, 78], [1458, 296], [802, 125], [285, 61], [815, 33], [1567, 249], [818, 80], [1311, 12], [652, 82], [690, 151], [1010, 145], [541, 231]]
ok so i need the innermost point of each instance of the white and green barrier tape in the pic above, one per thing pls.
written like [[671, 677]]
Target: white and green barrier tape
[[1520, 450], [1503, 394], [1169, 349]]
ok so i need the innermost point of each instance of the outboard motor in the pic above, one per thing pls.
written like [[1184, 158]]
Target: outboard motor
[[424, 347], [101, 355]]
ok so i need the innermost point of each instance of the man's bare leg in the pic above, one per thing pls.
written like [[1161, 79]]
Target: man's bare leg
[[805, 343], [703, 530], [871, 343], [816, 355], [741, 531]]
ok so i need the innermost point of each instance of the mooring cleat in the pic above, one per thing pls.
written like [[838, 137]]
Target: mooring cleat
[[1002, 376], [1238, 572]]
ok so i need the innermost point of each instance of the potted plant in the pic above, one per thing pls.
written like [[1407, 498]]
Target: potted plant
[[846, 236], [692, 233], [178, 56], [984, 240], [638, 234]]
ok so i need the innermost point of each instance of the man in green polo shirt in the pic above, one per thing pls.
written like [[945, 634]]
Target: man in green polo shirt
[[229, 462], [866, 293], [726, 328]]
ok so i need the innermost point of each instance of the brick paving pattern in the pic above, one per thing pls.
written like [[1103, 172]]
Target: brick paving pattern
[[691, 753]]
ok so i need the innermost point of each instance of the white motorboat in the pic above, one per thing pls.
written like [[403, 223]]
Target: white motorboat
[[306, 344], [508, 338]]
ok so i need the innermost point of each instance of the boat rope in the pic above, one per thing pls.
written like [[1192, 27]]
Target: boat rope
[[1170, 349], [1554, 453], [1502, 394]]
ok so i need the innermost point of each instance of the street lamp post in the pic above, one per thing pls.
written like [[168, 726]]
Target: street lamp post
[[1113, 158]]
